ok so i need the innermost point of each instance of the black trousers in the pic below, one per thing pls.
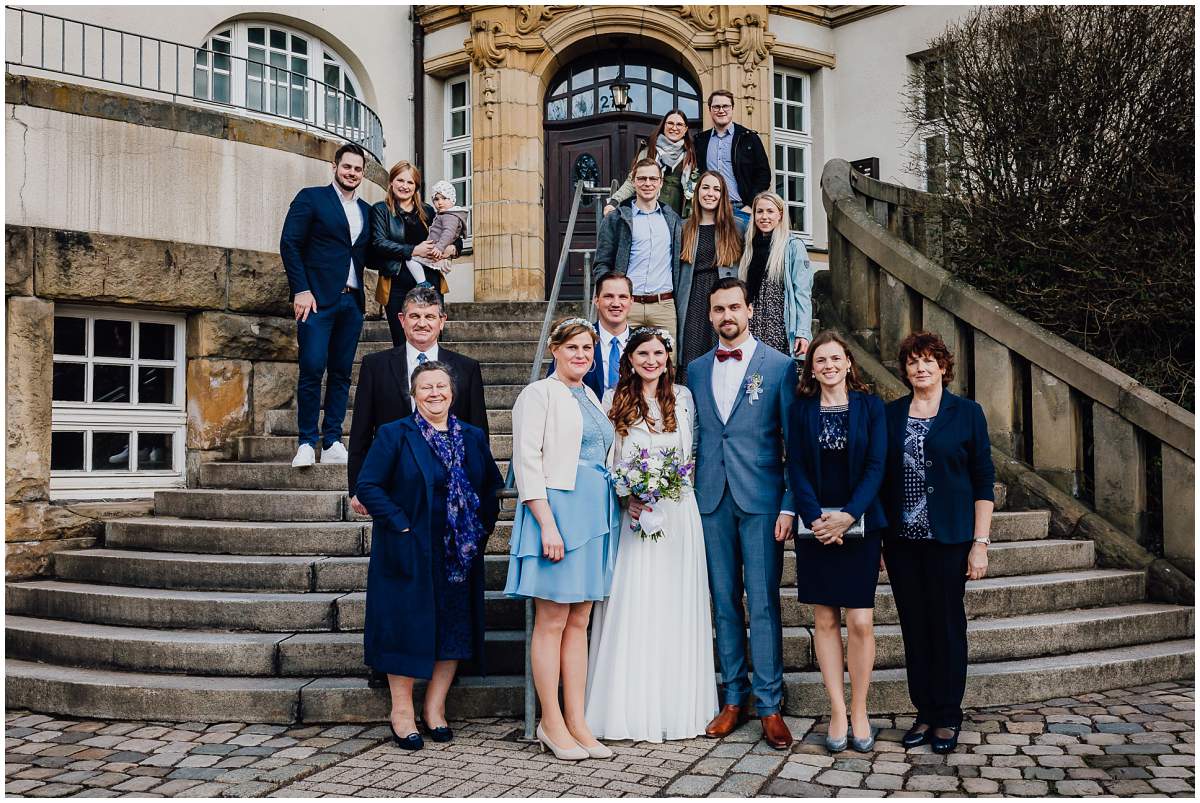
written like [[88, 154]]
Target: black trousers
[[928, 582], [401, 284]]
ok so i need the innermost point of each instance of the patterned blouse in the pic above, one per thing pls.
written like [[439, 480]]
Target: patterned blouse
[[915, 522]]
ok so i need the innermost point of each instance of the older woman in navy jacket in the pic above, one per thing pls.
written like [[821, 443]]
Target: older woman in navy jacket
[[429, 483], [836, 447], [938, 496]]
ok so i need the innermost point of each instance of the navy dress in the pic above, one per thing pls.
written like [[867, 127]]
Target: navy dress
[[839, 576]]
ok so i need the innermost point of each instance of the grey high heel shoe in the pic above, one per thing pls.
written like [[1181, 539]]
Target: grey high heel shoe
[[837, 745], [865, 745]]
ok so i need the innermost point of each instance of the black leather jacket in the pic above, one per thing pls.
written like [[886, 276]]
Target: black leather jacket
[[388, 249]]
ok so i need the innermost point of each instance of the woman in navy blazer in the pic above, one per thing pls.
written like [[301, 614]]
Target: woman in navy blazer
[[938, 496], [425, 579], [836, 447]]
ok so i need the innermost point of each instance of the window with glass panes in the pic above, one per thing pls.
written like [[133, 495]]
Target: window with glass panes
[[118, 416], [213, 74], [937, 81], [656, 86], [456, 150], [792, 139]]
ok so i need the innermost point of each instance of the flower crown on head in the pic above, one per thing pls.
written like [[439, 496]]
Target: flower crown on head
[[571, 322], [657, 331]]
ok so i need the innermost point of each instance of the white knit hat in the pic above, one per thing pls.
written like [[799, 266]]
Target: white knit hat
[[446, 190]]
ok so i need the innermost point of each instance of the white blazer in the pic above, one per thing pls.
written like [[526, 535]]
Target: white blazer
[[547, 436]]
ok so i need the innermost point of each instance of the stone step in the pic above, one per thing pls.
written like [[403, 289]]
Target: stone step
[[283, 422], [265, 477], [165, 534], [254, 505], [457, 330], [496, 396], [162, 608], [503, 311], [1009, 596], [486, 352], [95, 694], [1019, 681]]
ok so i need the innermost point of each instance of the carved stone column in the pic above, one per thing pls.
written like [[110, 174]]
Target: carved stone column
[[742, 65]]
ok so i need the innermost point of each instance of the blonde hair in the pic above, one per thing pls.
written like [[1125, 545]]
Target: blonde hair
[[779, 240]]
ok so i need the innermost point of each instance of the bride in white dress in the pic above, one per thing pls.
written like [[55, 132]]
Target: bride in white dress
[[650, 667]]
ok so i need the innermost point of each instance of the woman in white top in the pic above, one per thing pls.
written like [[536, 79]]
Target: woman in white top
[[651, 674], [564, 533]]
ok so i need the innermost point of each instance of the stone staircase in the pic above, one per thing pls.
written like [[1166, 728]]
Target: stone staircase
[[243, 599]]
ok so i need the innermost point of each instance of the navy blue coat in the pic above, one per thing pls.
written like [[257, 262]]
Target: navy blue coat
[[396, 485], [594, 378], [315, 245], [958, 466], [866, 449]]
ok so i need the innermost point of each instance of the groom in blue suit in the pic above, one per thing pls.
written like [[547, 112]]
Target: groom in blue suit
[[743, 390]]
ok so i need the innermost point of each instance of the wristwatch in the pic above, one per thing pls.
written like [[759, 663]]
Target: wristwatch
[[985, 540]]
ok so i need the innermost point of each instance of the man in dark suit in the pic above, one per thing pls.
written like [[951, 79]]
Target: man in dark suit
[[614, 296], [734, 151], [324, 246], [384, 380]]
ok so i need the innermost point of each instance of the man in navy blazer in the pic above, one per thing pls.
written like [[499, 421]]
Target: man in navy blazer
[[324, 246], [614, 297]]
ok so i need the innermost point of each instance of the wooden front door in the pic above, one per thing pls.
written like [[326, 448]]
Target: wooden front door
[[595, 150]]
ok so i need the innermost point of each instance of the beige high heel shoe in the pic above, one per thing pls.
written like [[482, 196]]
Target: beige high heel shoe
[[576, 753], [599, 751]]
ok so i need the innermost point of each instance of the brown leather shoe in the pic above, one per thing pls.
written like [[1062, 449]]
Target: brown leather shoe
[[727, 720], [775, 732]]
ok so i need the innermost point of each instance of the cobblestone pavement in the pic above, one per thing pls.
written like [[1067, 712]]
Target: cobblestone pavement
[[1127, 742]]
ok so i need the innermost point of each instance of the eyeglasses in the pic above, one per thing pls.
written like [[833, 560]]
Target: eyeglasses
[[724, 107], [650, 179]]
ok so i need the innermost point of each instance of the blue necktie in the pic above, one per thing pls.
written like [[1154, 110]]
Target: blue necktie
[[421, 359], [614, 358]]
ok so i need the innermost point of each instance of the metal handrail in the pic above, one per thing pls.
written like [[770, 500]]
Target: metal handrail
[[63, 46]]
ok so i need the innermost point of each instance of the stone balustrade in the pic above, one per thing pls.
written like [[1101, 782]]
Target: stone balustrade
[[1077, 421]]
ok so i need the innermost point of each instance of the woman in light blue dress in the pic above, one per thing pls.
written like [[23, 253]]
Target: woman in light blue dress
[[565, 532]]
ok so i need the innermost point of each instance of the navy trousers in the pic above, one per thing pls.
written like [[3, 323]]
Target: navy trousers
[[327, 341], [743, 555]]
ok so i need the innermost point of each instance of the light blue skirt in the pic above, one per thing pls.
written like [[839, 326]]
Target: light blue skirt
[[589, 521]]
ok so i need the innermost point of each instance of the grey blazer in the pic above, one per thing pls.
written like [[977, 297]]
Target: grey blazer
[[746, 451], [615, 239]]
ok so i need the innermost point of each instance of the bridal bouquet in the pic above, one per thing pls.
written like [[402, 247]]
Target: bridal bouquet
[[651, 476]]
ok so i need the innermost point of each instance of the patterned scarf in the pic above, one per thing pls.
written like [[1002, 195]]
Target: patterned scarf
[[668, 153], [464, 532]]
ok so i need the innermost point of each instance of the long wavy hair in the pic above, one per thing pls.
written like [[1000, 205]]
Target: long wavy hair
[[779, 240], [629, 405], [397, 169], [726, 237], [689, 148], [809, 386]]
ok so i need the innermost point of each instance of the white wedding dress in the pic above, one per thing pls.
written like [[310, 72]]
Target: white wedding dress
[[650, 662]]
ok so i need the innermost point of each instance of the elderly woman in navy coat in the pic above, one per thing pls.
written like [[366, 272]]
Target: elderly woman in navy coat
[[429, 482], [836, 447], [938, 496]]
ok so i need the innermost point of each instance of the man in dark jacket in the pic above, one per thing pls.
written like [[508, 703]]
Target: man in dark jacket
[[642, 242], [734, 151], [384, 380], [324, 246]]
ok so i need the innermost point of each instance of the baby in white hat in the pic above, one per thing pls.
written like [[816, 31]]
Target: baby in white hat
[[448, 225]]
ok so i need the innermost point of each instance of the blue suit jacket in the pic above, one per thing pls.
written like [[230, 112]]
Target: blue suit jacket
[[867, 450], [315, 245], [746, 452], [958, 466], [594, 378]]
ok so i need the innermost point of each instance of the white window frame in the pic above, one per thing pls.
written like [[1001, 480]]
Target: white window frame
[[318, 53], [933, 127], [132, 417], [798, 139], [453, 146]]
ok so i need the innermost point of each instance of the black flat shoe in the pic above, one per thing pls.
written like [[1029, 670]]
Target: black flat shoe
[[941, 745], [377, 680], [412, 741], [440, 734], [916, 738]]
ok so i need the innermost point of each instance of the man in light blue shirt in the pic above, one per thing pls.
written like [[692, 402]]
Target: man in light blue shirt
[[734, 151], [642, 241]]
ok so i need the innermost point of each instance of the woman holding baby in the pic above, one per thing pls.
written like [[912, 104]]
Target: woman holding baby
[[411, 242]]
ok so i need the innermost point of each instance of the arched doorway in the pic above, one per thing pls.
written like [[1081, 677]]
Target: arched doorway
[[586, 137]]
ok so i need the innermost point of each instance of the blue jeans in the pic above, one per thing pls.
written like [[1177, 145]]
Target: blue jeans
[[327, 340], [741, 215], [743, 554]]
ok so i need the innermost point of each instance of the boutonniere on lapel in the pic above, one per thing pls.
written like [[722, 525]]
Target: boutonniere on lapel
[[754, 387]]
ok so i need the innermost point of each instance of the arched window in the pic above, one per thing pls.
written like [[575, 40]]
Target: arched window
[[271, 68], [584, 88]]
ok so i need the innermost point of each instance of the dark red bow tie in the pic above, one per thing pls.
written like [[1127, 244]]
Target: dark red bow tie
[[725, 354]]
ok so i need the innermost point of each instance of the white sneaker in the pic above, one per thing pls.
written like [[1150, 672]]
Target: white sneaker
[[305, 456], [335, 454]]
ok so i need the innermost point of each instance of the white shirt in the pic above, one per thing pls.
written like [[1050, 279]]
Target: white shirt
[[355, 220], [728, 377], [412, 354], [606, 339]]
